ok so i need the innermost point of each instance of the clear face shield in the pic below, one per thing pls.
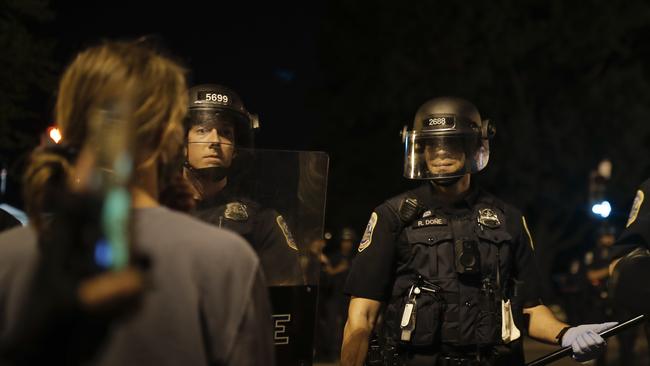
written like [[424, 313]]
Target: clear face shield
[[431, 154], [210, 140], [211, 127]]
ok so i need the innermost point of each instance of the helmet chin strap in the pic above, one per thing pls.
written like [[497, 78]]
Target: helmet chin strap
[[210, 174], [446, 182]]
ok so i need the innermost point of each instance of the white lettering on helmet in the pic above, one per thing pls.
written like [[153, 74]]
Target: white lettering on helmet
[[438, 121]]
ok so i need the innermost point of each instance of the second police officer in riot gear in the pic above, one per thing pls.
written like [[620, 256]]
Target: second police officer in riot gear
[[445, 260], [219, 129], [631, 261]]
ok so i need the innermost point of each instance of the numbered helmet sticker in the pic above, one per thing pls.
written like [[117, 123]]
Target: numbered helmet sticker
[[218, 98]]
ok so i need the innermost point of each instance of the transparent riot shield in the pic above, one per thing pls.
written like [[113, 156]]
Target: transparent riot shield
[[276, 201]]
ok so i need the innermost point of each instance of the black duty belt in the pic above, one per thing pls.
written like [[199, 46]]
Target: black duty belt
[[459, 361], [446, 355]]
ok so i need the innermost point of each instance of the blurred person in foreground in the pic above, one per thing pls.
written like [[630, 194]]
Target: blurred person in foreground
[[7, 221], [201, 300]]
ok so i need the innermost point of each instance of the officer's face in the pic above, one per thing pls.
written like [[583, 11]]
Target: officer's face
[[444, 158], [211, 144]]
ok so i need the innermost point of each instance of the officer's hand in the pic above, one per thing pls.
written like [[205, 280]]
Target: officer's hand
[[587, 344]]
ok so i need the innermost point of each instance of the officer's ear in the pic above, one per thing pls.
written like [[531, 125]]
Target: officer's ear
[[488, 129]]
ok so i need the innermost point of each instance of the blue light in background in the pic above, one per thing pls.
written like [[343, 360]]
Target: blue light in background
[[602, 209]]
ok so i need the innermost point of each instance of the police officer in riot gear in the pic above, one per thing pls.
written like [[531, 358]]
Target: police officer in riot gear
[[219, 130], [631, 260], [637, 229], [448, 261]]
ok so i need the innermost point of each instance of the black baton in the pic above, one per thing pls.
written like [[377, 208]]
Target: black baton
[[566, 351]]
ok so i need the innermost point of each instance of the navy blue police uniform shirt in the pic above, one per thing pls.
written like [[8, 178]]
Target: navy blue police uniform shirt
[[384, 251], [265, 229]]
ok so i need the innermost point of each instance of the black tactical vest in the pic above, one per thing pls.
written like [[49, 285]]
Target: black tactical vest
[[450, 289]]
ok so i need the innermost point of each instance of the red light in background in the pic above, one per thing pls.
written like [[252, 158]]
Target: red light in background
[[54, 134]]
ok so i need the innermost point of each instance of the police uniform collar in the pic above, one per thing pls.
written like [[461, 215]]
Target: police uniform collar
[[433, 199], [227, 194]]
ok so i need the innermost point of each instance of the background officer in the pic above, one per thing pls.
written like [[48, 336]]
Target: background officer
[[637, 228], [446, 258], [218, 129], [631, 258]]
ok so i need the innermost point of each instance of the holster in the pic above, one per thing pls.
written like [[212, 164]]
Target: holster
[[374, 356]]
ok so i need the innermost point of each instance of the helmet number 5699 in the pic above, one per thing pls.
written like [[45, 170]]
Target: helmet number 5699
[[214, 97]]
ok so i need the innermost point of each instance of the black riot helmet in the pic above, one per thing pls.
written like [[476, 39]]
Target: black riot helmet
[[448, 140], [215, 107], [211, 103]]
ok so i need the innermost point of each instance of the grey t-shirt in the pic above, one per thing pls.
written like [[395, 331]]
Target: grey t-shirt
[[207, 303]]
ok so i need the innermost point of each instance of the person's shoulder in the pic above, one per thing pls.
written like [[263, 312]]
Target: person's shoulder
[[253, 211], [7, 220], [514, 218], [201, 238], [393, 203], [250, 203], [163, 216], [509, 209], [255, 208], [18, 242], [645, 186]]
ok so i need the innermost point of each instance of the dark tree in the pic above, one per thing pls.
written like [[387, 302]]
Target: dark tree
[[27, 83]]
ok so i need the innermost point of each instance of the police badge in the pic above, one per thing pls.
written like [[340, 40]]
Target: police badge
[[488, 218], [236, 211]]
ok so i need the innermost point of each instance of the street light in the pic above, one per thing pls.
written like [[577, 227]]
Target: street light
[[602, 209], [600, 206]]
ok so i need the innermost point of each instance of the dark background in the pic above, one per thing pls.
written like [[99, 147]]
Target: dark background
[[566, 83]]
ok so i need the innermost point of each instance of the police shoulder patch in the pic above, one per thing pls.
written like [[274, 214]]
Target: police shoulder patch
[[236, 211], [287, 233], [636, 206], [367, 235]]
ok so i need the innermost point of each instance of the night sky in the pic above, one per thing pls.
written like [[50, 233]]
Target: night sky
[[265, 51]]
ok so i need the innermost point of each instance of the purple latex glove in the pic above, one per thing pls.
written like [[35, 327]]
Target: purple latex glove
[[585, 341]]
